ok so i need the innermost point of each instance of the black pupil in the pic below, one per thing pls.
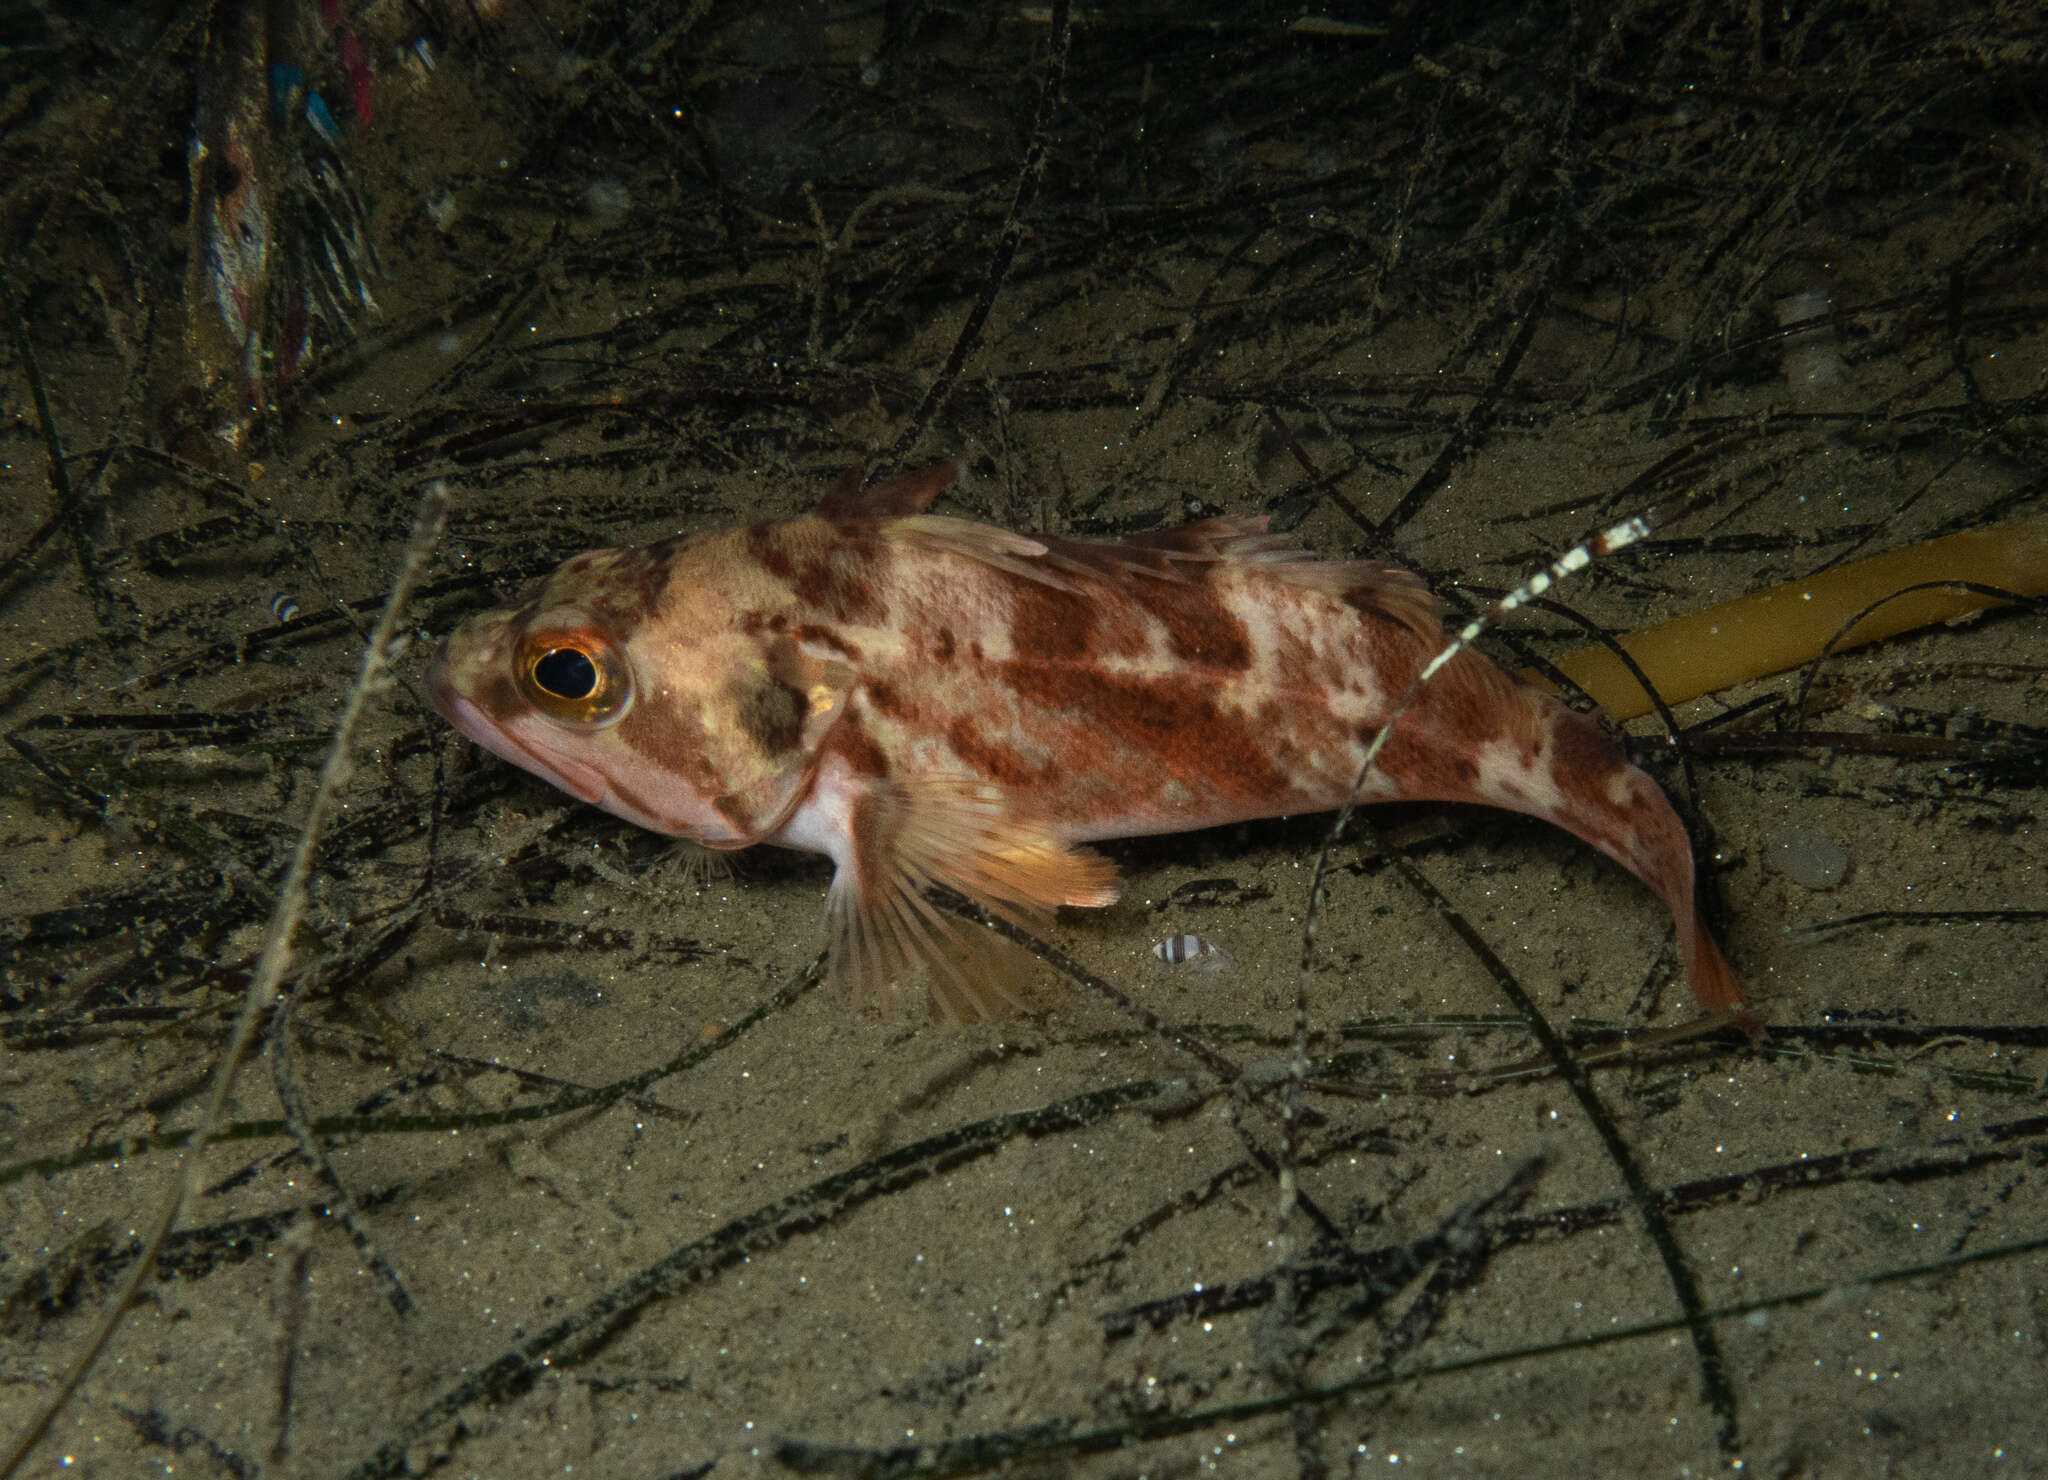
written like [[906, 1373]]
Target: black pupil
[[566, 673]]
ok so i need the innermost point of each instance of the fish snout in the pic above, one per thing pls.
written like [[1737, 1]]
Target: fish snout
[[440, 685]]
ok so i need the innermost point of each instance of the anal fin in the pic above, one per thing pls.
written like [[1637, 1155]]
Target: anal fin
[[960, 836]]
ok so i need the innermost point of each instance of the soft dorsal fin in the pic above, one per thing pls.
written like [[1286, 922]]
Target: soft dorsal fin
[[1176, 554], [1183, 553], [1014, 554], [893, 497], [1366, 586]]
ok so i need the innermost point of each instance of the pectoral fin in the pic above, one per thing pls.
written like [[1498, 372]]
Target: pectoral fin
[[961, 836]]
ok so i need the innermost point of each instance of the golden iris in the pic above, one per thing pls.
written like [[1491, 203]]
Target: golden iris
[[578, 677]]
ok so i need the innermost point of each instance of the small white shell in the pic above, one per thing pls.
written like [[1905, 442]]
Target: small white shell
[[1181, 950], [1809, 858], [1812, 359]]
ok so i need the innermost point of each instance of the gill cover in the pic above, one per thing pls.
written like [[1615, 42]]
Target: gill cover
[[765, 711]]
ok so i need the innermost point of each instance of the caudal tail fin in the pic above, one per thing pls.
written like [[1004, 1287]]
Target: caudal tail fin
[[1572, 774], [1476, 735], [1711, 977]]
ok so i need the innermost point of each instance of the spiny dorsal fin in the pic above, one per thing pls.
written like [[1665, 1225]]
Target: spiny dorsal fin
[[892, 497], [958, 834]]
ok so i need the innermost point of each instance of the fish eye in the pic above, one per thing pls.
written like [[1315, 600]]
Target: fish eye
[[566, 673], [578, 677]]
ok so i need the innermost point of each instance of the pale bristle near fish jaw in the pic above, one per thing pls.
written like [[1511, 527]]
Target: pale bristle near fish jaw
[[696, 867]]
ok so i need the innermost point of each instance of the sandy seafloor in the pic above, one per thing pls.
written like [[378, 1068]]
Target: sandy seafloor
[[1504, 276]]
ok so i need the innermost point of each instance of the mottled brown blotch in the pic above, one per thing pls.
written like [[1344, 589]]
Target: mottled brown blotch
[[995, 761], [845, 582], [1584, 753], [771, 713], [883, 695], [764, 544], [825, 637], [857, 748], [1049, 625], [1199, 629]]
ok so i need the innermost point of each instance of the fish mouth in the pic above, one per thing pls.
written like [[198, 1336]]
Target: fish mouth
[[583, 782]]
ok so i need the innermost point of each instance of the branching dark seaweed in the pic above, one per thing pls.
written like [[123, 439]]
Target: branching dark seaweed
[[1443, 289], [575, 1337]]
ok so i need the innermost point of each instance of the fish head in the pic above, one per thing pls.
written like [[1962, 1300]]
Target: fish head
[[646, 682]]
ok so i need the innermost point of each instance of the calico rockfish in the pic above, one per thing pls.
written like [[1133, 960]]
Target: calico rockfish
[[933, 701]]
